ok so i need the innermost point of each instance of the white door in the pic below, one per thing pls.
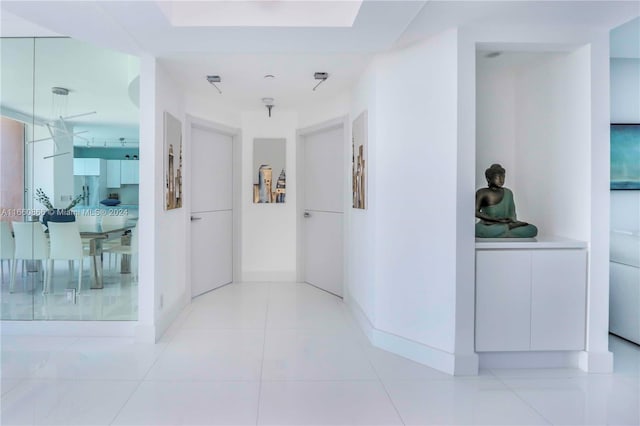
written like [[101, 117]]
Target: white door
[[323, 209], [211, 210]]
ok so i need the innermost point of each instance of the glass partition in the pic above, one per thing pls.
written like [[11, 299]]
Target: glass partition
[[69, 167]]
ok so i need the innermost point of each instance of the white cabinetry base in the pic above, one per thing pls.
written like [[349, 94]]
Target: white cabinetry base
[[531, 304]]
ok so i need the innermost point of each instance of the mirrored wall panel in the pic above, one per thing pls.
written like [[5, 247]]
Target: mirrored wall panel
[[269, 171], [69, 181]]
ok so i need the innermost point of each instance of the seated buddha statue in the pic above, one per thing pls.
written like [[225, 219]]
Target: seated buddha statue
[[497, 211]]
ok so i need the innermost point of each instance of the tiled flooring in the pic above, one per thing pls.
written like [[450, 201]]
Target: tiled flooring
[[288, 354], [118, 300]]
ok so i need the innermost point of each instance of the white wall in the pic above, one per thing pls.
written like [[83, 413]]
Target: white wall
[[625, 108], [361, 234], [268, 230], [553, 154], [404, 248], [495, 120], [416, 162], [315, 113], [162, 282]]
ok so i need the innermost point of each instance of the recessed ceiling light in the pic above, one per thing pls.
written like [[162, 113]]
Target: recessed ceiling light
[[269, 76]]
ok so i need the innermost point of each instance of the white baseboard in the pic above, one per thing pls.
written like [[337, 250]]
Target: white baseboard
[[454, 364], [600, 362], [533, 359], [596, 362], [269, 276], [164, 321], [69, 328]]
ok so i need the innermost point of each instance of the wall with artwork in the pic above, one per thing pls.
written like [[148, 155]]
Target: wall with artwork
[[268, 248], [625, 108], [162, 284], [361, 232], [409, 295]]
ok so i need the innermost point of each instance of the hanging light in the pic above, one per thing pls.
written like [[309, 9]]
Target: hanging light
[[268, 102]]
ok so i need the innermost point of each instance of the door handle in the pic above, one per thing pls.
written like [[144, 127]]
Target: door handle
[[307, 214], [195, 218]]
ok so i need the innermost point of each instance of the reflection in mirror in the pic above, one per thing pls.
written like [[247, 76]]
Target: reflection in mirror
[[270, 180], [68, 123]]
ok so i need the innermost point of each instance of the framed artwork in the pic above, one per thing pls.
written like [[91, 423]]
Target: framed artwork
[[172, 162], [359, 146], [625, 156], [269, 163]]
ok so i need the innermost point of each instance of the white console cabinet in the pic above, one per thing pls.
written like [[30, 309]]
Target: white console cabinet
[[530, 296]]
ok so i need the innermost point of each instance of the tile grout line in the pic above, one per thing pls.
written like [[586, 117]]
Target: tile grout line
[[162, 351], [361, 344], [264, 344], [517, 395]]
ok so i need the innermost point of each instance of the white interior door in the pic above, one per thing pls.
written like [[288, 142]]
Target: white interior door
[[211, 210], [324, 209]]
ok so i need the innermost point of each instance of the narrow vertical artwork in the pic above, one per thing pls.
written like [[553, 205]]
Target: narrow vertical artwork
[[359, 161], [269, 160], [172, 162]]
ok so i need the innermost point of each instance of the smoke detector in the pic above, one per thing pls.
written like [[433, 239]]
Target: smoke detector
[[60, 91]]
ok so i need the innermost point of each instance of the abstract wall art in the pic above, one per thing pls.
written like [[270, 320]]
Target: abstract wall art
[[359, 142], [270, 184], [625, 156], [172, 162]]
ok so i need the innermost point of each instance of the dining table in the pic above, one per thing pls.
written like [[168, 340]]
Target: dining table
[[96, 234]]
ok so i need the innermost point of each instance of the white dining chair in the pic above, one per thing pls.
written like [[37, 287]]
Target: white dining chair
[[7, 247], [109, 222], [129, 250], [30, 244], [66, 244]]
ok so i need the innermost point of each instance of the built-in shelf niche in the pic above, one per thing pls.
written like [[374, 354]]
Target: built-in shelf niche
[[269, 170], [533, 116]]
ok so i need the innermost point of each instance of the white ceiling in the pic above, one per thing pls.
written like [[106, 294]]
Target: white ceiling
[[243, 55]]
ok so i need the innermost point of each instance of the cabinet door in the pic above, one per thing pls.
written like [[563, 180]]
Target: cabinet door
[[558, 299], [129, 172], [113, 173], [92, 166], [503, 300], [78, 166]]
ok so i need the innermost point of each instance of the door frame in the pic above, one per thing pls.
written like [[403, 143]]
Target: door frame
[[236, 140], [301, 135]]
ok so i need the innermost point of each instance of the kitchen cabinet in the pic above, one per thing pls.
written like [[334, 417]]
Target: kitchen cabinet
[[113, 173], [129, 172], [531, 298], [88, 166]]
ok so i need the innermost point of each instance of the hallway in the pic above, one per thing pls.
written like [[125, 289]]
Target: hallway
[[285, 353]]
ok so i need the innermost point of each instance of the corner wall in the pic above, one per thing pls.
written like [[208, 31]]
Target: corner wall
[[404, 274], [162, 282]]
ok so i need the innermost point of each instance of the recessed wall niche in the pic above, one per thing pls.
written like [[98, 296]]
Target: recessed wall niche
[[533, 116], [269, 170]]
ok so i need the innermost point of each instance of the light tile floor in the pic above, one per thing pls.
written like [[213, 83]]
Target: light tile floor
[[118, 300], [288, 354]]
